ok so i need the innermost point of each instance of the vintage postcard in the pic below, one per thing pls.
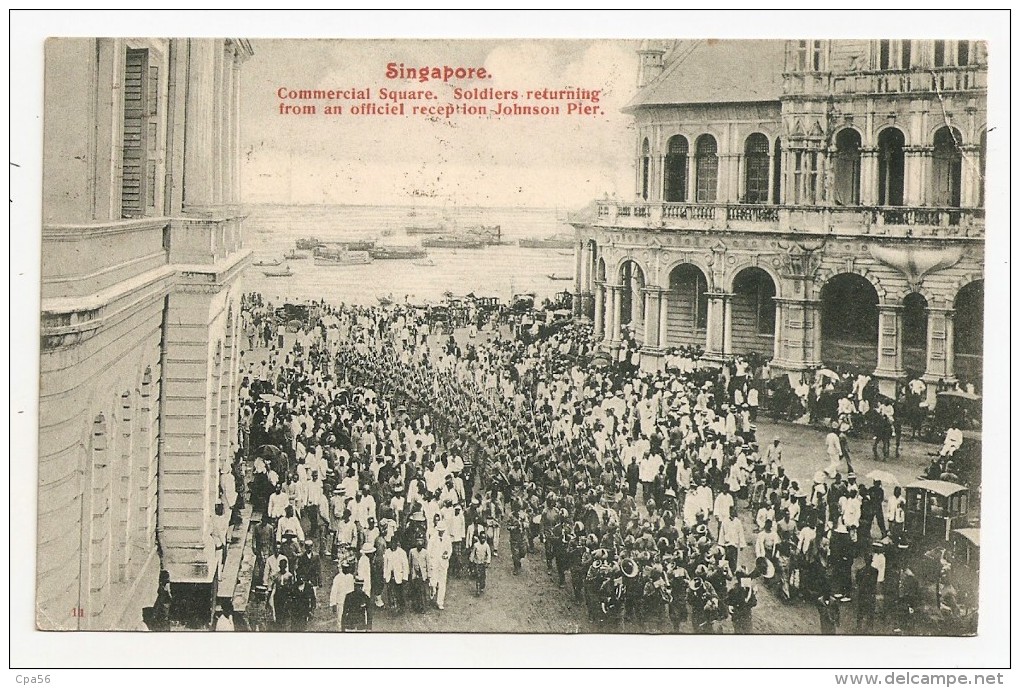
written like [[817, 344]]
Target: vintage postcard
[[587, 336]]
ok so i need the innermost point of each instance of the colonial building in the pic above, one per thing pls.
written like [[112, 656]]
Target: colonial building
[[818, 202], [141, 253]]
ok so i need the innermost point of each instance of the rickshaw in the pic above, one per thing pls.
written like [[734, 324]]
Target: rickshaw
[[953, 409], [935, 508], [965, 544]]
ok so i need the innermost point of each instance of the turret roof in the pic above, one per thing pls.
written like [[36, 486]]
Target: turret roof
[[716, 71]]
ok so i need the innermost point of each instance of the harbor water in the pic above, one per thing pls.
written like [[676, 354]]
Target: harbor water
[[499, 271]]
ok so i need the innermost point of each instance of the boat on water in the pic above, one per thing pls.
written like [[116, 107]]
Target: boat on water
[[559, 278], [554, 241], [387, 232], [385, 300], [490, 235], [285, 271], [425, 263], [397, 253], [307, 244], [354, 245], [425, 229], [268, 262], [452, 241], [341, 256], [294, 254]]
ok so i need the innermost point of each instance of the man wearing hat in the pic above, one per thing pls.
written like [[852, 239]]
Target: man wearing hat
[[418, 576], [357, 609], [440, 550], [364, 567], [742, 599]]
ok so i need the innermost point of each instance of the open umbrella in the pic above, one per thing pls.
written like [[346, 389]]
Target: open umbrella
[[827, 372], [885, 477], [274, 398]]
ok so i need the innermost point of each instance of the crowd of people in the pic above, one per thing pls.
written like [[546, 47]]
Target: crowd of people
[[407, 458]]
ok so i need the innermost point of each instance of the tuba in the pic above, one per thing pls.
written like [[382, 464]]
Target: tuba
[[666, 593], [630, 568]]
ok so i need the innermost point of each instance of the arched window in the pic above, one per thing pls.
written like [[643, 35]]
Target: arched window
[[756, 169], [890, 167], [847, 168], [646, 164], [676, 170], [947, 164], [707, 169]]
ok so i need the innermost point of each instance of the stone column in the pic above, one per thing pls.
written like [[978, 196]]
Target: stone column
[[728, 325], [651, 352], [578, 262], [718, 326], [915, 178], [798, 339], [939, 364], [664, 297], [970, 176], [869, 176], [651, 324], [890, 347], [617, 331], [199, 124], [600, 304]]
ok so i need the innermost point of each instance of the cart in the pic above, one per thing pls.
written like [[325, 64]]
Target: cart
[[935, 508]]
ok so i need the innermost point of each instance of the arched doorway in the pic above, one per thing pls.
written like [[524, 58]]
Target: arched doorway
[[849, 306], [890, 167], [915, 334], [706, 168], [646, 168], [687, 307], [947, 164], [632, 302], [756, 169], [968, 333], [753, 315], [847, 168], [676, 170]]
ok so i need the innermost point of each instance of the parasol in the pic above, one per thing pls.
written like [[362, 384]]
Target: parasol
[[827, 372], [274, 398]]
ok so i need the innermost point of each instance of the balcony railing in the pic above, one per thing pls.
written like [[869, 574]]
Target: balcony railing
[[860, 220], [890, 81]]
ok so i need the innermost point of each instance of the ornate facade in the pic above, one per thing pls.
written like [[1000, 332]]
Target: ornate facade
[[141, 251], [816, 202]]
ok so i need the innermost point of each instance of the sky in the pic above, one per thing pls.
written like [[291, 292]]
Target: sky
[[553, 161]]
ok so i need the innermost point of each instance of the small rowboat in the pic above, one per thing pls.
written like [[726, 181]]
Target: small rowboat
[[559, 278], [278, 272]]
